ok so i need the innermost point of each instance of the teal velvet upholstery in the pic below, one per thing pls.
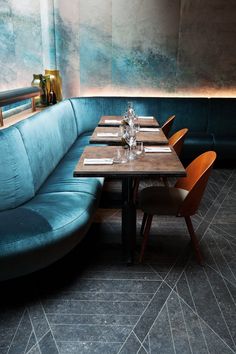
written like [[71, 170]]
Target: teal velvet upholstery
[[16, 179], [45, 211], [47, 137]]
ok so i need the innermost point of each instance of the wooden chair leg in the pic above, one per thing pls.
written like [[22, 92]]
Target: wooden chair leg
[[143, 224], [194, 240], [145, 238]]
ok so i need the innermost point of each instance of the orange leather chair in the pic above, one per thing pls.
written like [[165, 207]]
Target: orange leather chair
[[166, 127], [182, 200]]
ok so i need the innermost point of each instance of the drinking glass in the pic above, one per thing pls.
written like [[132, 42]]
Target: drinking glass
[[139, 148], [130, 138]]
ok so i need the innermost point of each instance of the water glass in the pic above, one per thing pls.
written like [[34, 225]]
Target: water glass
[[139, 148]]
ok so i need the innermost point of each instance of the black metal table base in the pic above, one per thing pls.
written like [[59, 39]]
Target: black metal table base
[[128, 220]]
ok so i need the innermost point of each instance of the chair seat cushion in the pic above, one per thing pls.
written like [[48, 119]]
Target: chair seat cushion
[[161, 200]]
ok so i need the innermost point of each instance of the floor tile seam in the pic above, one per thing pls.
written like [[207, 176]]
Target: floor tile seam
[[88, 300], [217, 199], [123, 344], [137, 338], [230, 244], [37, 341], [92, 314], [91, 325], [218, 271], [102, 301], [185, 325], [224, 234], [49, 326], [36, 345], [194, 311], [28, 341], [88, 341], [105, 292], [119, 271], [149, 344], [188, 259], [88, 314], [206, 324], [161, 309], [17, 328], [139, 318], [227, 264], [172, 267], [122, 279], [225, 281], [222, 276], [222, 314], [171, 331], [142, 347], [210, 222]]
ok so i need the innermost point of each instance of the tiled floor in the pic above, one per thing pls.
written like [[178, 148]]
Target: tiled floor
[[90, 302]]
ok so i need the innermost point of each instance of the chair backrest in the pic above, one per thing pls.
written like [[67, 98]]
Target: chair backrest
[[177, 140], [198, 172], [166, 127]]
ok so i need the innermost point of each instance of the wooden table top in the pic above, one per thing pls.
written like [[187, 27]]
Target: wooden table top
[[149, 138], [149, 164], [142, 122]]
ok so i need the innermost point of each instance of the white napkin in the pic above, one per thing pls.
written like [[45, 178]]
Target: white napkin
[[157, 149], [98, 161], [108, 134], [149, 129], [145, 117], [112, 121]]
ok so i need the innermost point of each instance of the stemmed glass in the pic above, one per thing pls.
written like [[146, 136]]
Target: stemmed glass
[[130, 138]]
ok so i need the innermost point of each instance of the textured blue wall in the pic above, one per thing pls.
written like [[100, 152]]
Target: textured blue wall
[[121, 47]]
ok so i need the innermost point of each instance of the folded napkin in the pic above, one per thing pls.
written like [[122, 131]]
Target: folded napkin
[[98, 161], [145, 117], [108, 134], [112, 121], [149, 129], [157, 149]]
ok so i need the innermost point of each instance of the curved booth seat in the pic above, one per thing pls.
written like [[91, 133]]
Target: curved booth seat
[[44, 211]]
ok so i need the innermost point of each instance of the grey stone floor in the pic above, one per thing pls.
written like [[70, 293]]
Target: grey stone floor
[[90, 302]]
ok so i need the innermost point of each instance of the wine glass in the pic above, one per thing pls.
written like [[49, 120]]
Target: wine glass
[[130, 138]]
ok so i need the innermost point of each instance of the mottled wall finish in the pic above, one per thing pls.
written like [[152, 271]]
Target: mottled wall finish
[[67, 31], [145, 42], [207, 46], [20, 42], [121, 47]]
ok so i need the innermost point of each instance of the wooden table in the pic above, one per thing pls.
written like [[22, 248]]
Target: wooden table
[[149, 164], [117, 121], [148, 138]]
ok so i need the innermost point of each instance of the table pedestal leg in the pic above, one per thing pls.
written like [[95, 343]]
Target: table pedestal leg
[[128, 220]]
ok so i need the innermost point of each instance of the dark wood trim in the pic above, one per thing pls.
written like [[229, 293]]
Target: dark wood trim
[[1, 118]]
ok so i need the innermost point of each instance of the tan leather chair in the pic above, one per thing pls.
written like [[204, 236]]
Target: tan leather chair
[[166, 127], [182, 200]]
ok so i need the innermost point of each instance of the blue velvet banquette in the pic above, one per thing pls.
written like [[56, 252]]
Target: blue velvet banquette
[[44, 211]]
